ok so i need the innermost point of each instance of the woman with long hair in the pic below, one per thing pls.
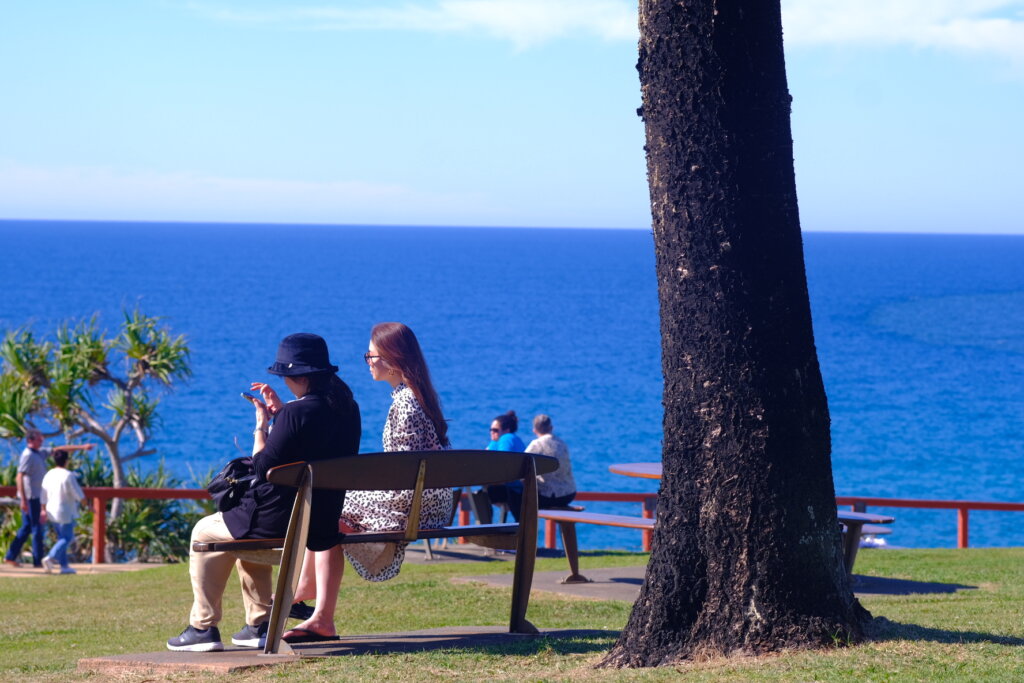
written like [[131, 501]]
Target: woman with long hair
[[415, 422]]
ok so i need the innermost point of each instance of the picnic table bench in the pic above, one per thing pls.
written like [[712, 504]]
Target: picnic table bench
[[855, 524], [407, 470]]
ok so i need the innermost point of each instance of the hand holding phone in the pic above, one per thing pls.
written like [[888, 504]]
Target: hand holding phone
[[261, 410], [270, 397]]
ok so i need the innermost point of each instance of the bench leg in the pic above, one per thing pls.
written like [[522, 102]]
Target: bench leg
[[851, 543], [291, 561], [572, 554], [526, 554], [480, 504]]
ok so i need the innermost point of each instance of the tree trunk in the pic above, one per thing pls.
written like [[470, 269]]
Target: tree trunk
[[117, 468], [746, 553]]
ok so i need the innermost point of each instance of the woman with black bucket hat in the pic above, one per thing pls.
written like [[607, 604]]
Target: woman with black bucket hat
[[321, 423]]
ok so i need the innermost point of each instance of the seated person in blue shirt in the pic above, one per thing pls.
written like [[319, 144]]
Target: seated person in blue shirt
[[504, 438]]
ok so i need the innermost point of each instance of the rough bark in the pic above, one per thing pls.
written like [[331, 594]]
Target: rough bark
[[746, 552]]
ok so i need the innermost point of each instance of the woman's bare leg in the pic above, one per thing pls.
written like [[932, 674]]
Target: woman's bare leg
[[329, 566], [306, 588]]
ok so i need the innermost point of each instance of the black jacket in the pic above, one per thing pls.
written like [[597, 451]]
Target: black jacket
[[304, 430]]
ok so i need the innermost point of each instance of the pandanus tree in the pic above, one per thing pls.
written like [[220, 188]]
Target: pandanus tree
[[84, 383], [746, 554]]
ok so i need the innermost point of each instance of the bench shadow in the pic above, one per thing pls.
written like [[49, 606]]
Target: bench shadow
[[880, 585], [881, 629], [562, 641], [623, 579]]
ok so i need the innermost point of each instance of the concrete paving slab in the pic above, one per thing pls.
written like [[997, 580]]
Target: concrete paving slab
[[615, 583], [27, 571], [165, 662], [234, 660]]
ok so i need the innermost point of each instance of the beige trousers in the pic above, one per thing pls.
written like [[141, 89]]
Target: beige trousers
[[210, 573]]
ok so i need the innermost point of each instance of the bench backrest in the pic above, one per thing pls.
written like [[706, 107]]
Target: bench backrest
[[400, 470]]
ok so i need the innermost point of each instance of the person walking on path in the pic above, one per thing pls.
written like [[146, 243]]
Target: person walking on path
[[554, 489], [29, 482], [61, 495]]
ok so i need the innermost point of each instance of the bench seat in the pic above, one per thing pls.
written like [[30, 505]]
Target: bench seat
[[567, 521], [855, 525], [250, 544]]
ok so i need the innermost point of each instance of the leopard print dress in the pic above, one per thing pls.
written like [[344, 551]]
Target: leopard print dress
[[407, 429]]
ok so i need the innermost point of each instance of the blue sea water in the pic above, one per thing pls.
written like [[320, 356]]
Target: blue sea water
[[921, 341]]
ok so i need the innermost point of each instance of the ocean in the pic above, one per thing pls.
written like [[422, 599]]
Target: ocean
[[920, 338]]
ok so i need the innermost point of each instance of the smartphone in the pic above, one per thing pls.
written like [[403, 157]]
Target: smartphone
[[249, 397]]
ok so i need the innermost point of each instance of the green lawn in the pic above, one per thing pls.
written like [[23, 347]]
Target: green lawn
[[975, 633]]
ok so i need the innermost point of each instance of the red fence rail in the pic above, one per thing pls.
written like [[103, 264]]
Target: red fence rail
[[962, 507], [101, 495]]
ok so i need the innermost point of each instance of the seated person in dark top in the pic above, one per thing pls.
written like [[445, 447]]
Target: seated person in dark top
[[321, 423]]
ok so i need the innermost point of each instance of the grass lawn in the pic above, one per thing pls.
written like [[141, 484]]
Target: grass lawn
[[974, 633]]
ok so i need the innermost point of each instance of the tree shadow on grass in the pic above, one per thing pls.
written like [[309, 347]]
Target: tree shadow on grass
[[880, 585], [881, 629], [560, 641]]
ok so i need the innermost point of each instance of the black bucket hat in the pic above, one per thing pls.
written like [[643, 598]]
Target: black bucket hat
[[301, 354]]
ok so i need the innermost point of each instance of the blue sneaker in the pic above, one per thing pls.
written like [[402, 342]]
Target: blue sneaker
[[195, 640], [252, 636]]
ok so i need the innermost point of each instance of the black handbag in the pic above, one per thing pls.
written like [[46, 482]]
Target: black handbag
[[229, 485]]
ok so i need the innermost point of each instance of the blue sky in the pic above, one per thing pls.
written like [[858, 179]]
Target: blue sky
[[906, 115]]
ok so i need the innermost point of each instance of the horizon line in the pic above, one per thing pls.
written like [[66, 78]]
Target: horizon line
[[125, 221]]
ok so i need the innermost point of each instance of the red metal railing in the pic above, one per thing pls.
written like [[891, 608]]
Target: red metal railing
[[101, 495], [962, 507]]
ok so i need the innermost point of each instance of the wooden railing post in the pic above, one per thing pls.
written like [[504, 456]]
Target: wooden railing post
[[961, 527], [650, 508], [99, 529], [549, 534], [463, 514]]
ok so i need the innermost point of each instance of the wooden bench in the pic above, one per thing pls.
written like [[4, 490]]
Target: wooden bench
[[856, 525], [412, 470], [567, 521]]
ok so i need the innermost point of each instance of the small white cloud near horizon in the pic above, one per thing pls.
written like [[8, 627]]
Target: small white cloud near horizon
[[524, 23], [87, 193], [984, 27]]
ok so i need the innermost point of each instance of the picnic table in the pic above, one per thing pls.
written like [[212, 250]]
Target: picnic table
[[856, 524]]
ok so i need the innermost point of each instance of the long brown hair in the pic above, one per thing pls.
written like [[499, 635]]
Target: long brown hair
[[398, 347]]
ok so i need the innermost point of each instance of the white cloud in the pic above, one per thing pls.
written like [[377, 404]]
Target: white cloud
[[103, 193], [524, 23], [993, 27]]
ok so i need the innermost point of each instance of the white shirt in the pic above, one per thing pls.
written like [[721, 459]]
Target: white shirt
[[560, 482], [61, 494]]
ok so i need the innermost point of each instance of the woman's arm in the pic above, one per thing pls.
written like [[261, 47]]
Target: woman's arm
[[259, 434]]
